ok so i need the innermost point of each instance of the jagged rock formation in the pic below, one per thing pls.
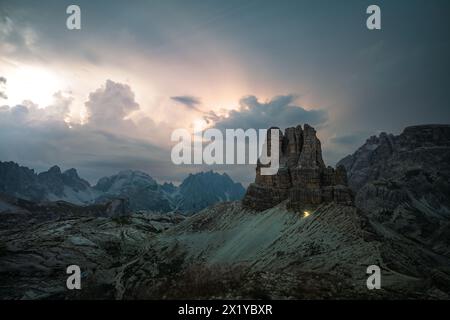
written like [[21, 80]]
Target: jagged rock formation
[[214, 188], [403, 183], [51, 185], [418, 148], [168, 187], [138, 189], [56, 181], [196, 192], [142, 191], [302, 177], [19, 181]]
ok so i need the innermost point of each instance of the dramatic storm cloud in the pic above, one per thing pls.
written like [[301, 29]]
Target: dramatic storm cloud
[[40, 137], [174, 63], [106, 143], [280, 111]]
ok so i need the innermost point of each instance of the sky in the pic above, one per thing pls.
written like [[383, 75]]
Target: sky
[[107, 97]]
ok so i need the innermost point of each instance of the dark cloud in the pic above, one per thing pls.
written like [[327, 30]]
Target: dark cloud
[[359, 76], [280, 112], [188, 101], [2, 82]]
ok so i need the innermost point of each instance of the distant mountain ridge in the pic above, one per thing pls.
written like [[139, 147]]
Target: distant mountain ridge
[[215, 188], [142, 191], [196, 192], [51, 185]]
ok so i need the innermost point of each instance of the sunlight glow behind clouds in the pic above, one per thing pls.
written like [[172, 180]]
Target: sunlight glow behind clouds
[[33, 83], [350, 81]]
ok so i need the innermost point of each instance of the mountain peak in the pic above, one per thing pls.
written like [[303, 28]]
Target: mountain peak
[[54, 170], [428, 143], [215, 187], [302, 177], [72, 173]]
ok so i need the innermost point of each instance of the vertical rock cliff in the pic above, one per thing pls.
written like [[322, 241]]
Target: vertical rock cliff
[[302, 179]]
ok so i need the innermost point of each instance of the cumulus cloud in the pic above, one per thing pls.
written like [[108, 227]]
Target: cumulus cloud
[[33, 138], [60, 108], [110, 104], [110, 109], [28, 112], [111, 140], [40, 137], [108, 142], [280, 112]]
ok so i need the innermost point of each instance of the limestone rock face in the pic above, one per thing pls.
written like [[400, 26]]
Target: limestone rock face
[[403, 182], [302, 178]]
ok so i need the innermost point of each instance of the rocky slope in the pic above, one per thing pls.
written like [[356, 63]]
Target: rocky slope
[[226, 251], [34, 257], [278, 253], [403, 182]]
